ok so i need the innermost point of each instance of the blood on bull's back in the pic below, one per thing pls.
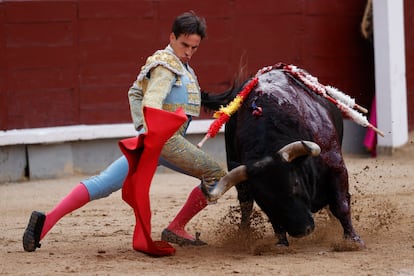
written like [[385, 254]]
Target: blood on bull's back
[[289, 112]]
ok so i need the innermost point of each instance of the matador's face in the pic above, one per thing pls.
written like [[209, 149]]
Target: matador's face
[[185, 45]]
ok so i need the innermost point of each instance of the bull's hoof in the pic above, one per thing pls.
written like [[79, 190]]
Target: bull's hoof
[[282, 243], [358, 241], [349, 244], [281, 237], [245, 226]]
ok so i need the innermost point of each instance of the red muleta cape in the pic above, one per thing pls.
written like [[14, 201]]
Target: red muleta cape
[[142, 153]]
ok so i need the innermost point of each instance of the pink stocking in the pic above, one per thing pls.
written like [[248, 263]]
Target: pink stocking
[[195, 203], [78, 197]]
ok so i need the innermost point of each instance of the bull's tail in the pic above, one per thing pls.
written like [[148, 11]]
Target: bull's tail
[[213, 101]]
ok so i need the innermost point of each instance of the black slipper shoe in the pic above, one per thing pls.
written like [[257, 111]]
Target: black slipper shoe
[[31, 236], [171, 237]]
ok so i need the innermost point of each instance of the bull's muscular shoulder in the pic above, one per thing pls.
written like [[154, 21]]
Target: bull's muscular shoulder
[[165, 59]]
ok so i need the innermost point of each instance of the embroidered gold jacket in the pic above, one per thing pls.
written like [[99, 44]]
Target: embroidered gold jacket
[[167, 84]]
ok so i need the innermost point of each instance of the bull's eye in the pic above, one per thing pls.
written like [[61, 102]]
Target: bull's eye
[[296, 186]]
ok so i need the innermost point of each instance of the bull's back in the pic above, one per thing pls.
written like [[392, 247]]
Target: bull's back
[[289, 113]]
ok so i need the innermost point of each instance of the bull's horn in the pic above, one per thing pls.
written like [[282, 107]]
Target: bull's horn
[[299, 148], [217, 189]]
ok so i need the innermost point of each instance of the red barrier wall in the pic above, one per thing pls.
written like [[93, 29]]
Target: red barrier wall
[[409, 60], [72, 62]]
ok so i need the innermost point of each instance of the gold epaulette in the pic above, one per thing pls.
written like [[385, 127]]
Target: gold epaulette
[[164, 58]]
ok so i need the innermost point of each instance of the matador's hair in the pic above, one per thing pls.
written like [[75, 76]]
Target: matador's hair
[[189, 23]]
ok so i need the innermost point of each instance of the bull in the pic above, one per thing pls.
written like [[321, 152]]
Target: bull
[[290, 140]]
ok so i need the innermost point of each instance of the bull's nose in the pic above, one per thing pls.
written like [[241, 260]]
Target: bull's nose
[[309, 229]]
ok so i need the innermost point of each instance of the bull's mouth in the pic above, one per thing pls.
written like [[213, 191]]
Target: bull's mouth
[[303, 233]]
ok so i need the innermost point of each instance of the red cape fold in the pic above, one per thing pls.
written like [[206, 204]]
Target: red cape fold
[[142, 153]]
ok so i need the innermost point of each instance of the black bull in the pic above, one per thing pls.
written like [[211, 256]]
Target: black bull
[[277, 112]]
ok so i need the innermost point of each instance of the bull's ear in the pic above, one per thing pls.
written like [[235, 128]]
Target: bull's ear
[[299, 148]]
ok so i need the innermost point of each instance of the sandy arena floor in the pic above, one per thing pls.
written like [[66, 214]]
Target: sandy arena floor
[[96, 239]]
